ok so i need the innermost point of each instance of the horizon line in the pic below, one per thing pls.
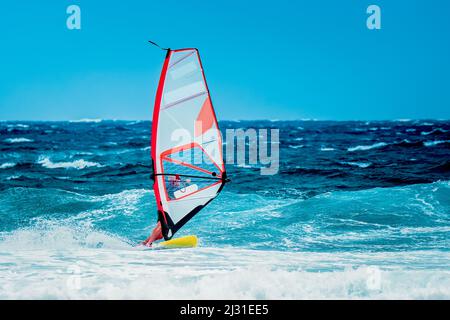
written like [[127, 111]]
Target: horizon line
[[98, 120]]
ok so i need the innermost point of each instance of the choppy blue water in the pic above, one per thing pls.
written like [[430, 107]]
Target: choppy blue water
[[352, 202]]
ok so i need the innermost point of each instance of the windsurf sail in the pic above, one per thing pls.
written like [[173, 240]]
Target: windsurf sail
[[188, 166]]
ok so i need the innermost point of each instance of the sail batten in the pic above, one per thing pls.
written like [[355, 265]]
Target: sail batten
[[167, 106], [188, 172]]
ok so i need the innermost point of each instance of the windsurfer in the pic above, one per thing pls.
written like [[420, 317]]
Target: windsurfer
[[186, 93], [156, 235], [157, 231], [175, 180]]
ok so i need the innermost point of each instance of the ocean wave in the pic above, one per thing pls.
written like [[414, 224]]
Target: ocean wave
[[12, 178], [81, 153], [243, 165], [45, 209], [435, 143], [416, 230], [132, 123], [318, 204], [369, 147], [362, 165], [77, 164], [7, 165], [86, 121], [17, 128], [300, 170], [19, 125], [326, 149], [402, 120], [371, 219], [296, 146], [441, 168], [219, 273], [435, 131], [18, 140]]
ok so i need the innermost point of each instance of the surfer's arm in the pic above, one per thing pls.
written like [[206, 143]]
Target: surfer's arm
[[155, 235]]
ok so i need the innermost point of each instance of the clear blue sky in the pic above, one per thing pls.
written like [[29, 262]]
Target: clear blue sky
[[263, 59]]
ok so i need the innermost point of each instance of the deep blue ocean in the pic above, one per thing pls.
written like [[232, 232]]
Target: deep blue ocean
[[348, 196]]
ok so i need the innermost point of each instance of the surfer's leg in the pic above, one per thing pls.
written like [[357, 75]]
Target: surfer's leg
[[156, 235]]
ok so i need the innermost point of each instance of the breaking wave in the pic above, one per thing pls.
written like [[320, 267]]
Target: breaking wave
[[77, 164]]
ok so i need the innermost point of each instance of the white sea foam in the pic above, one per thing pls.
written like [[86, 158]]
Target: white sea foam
[[296, 146], [18, 140], [435, 143], [364, 148], [82, 153], [119, 272], [411, 130], [7, 165], [86, 121], [18, 125], [243, 165], [134, 122], [358, 164], [77, 164], [12, 178], [327, 149], [111, 144]]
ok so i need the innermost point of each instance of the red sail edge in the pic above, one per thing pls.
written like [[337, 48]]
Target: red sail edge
[[155, 119]]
